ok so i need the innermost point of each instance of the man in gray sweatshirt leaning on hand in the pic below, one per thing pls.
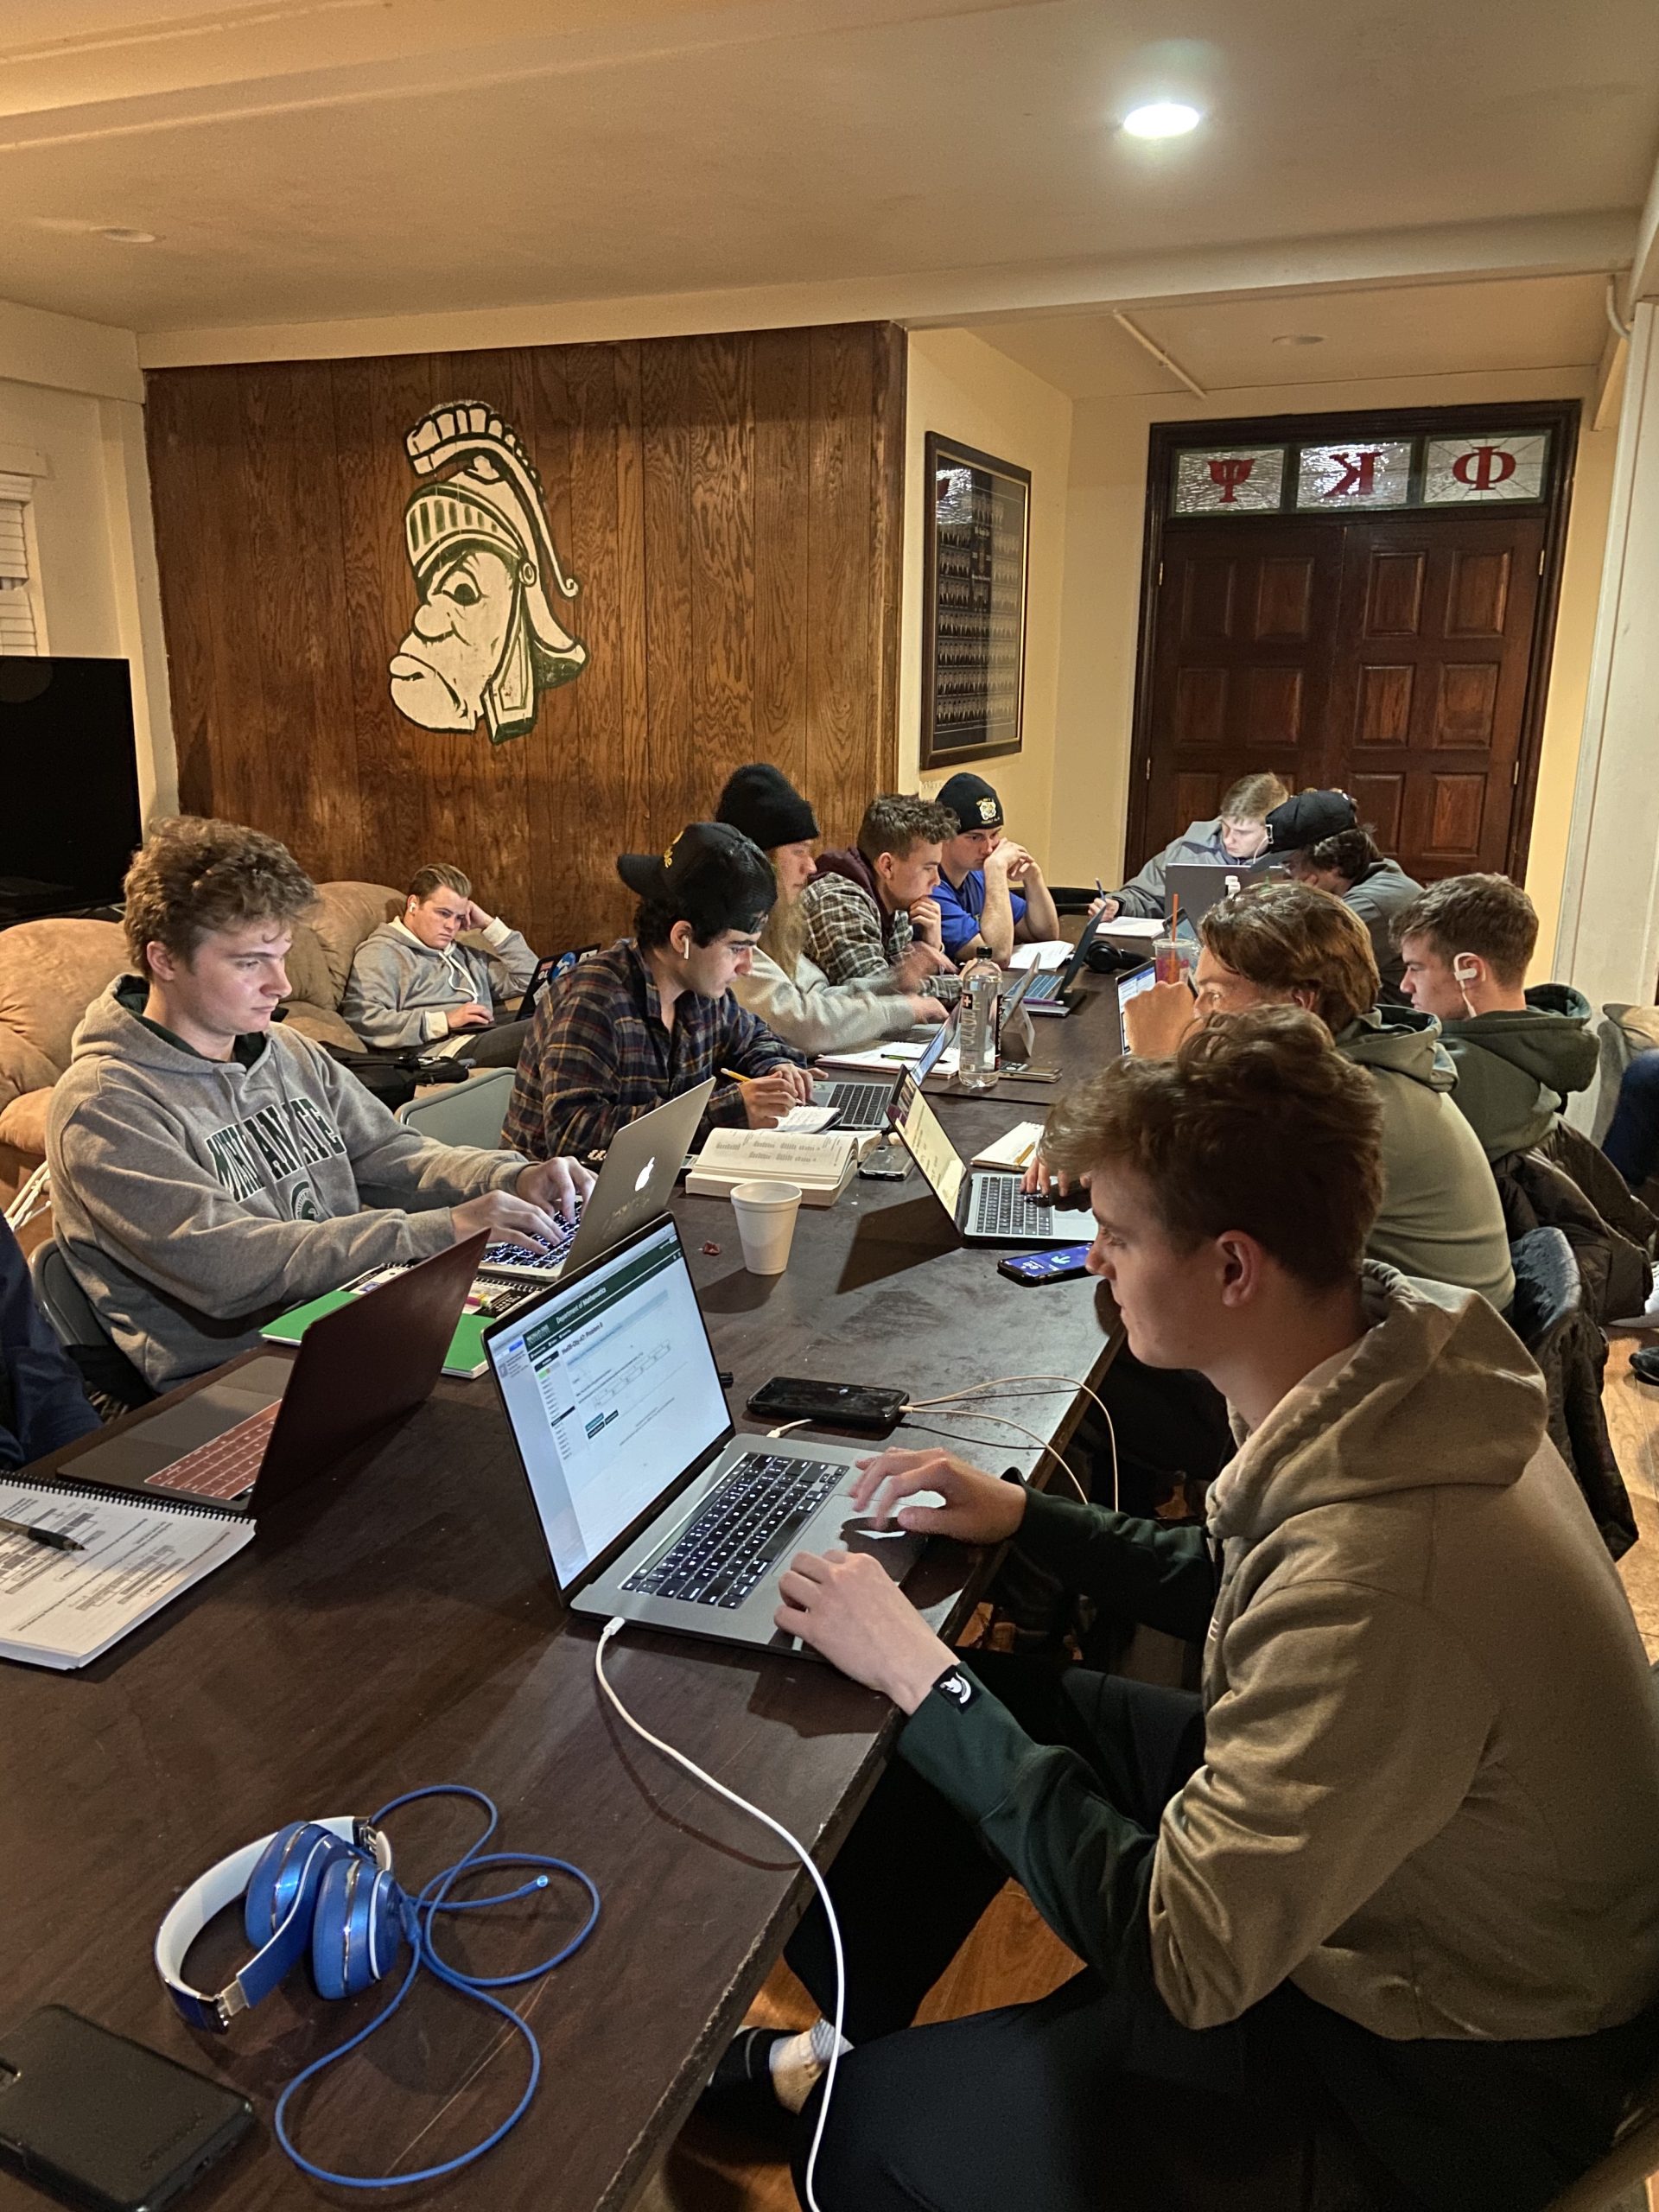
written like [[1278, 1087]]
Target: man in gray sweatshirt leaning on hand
[[210, 1169], [414, 985]]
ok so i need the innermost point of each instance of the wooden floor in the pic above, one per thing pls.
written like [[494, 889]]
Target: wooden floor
[[1012, 1955]]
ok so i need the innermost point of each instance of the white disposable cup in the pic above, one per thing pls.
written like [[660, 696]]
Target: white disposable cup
[[765, 1222]]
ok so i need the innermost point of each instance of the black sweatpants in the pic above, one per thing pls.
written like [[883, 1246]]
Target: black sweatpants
[[497, 1046], [1091, 2100]]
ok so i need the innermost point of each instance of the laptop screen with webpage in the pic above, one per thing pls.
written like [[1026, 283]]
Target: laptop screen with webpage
[[925, 1140], [613, 1392]]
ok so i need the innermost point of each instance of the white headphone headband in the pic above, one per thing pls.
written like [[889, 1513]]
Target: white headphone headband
[[209, 1895]]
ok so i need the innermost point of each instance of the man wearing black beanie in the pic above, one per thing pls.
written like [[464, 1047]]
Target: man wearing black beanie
[[783, 988]]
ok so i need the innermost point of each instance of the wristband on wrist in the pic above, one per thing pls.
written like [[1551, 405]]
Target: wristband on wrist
[[957, 1686]]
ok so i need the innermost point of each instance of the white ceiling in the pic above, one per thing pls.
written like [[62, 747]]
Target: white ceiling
[[303, 160], [1541, 322]]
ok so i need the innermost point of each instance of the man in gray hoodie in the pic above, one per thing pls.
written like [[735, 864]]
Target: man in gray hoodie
[[1239, 832], [1373, 1922], [209, 1169], [414, 984]]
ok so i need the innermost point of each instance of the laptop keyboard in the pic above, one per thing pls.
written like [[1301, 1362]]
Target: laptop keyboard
[[226, 1466], [857, 1105], [1045, 986], [1001, 1208], [506, 1254], [741, 1533]]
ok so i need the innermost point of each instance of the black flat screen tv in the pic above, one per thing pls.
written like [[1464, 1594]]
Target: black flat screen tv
[[68, 785]]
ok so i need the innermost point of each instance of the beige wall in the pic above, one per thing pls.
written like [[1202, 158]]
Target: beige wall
[[964, 388], [1102, 598], [72, 421]]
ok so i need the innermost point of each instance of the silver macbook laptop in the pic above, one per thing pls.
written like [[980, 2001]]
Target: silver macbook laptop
[[867, 1105], [989, 1206], [1053, 991], [650, 1505], [635, 1182], [1200, 885]]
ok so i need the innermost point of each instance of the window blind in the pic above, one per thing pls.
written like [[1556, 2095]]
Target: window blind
[[16, 614]]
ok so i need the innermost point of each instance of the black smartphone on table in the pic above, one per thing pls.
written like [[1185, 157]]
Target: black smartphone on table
[[1058, 1264], [101, 2121], [839, 1405]]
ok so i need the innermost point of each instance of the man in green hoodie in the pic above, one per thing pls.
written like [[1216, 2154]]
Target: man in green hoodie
[[211, 1169], [1465, 945], [1373, 1922]]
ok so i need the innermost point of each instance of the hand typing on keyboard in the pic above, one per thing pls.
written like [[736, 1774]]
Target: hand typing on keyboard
[[513, 1220]]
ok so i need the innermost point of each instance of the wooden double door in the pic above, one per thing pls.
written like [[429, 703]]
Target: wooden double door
[[1400, 657]]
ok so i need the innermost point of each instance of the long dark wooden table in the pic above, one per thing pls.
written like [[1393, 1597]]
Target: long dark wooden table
[[398, 1626]]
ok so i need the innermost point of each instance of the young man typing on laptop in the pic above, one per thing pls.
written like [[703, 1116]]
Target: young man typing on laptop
[[210, 1168], [1371, 1925], [654, 1016]]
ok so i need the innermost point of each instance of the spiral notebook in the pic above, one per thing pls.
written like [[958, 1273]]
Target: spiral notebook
[[65, 1608]]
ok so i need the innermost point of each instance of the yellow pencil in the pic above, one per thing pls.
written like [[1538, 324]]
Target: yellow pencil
[[732, 1076]]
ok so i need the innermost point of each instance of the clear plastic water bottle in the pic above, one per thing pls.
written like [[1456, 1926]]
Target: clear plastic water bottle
[[982, 983]]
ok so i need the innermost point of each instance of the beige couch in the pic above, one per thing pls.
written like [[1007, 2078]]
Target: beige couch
[[50, 972]]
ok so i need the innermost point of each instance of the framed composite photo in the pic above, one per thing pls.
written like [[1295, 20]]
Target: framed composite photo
[[974, 604]]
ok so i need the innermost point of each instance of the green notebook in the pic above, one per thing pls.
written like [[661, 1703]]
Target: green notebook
[[465, 1353]]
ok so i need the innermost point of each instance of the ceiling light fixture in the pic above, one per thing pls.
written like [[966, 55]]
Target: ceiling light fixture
[[1162, 119], [118, 234], [1299, 338]]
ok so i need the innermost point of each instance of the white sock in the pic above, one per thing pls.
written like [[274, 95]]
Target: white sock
[[798, 2060]]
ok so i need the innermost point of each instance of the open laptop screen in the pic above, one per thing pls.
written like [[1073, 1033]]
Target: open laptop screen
[[924, 1137], [613, 1393], [1130, 987]]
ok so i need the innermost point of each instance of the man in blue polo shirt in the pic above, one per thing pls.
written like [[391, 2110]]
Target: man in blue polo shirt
[[980, 909]]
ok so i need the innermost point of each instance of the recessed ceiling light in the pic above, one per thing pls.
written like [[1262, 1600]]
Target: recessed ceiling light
[[1162, 119], [1299, 338], [118, 234]]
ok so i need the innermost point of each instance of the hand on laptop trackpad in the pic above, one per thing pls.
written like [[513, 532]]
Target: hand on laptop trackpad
[[861, 1532]]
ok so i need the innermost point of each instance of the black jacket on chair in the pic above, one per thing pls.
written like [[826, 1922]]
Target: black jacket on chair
[[1549, 1318]]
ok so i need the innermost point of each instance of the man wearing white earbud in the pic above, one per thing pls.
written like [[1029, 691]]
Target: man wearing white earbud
[[1464, 946], [1371, 1924]]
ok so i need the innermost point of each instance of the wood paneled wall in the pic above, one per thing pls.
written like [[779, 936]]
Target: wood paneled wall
[[731, 506]]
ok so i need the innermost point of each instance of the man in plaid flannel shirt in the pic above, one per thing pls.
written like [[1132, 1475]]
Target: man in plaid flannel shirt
[[870, 910], [652, 1017]]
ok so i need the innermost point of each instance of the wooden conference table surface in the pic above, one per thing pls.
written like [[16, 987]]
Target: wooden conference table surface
[[397, 1627]]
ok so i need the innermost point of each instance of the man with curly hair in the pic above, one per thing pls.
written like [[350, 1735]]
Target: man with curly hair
[[211, 1168]]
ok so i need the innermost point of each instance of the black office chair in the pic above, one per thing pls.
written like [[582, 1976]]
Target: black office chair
[[1549, 1318], [113, 1383]]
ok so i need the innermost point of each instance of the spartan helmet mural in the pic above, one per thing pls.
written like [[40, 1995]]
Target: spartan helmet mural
[[484, 639]]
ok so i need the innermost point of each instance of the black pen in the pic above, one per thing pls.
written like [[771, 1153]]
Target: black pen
[[54, 1538]]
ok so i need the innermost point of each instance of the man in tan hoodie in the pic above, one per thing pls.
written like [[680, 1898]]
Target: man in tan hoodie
[[1374, 1923]]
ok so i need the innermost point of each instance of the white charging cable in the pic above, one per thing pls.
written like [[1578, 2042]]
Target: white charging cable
[[998, 1382], [612, 1628]]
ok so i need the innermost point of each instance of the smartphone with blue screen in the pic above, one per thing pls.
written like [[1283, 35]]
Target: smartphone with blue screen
[[1058, 1264]]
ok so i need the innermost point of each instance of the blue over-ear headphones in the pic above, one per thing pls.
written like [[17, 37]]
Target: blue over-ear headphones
[[325, 1889]]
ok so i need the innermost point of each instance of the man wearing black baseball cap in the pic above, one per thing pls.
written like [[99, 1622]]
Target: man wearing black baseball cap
[[1319, 837], [980, 909], [654, 1015]]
